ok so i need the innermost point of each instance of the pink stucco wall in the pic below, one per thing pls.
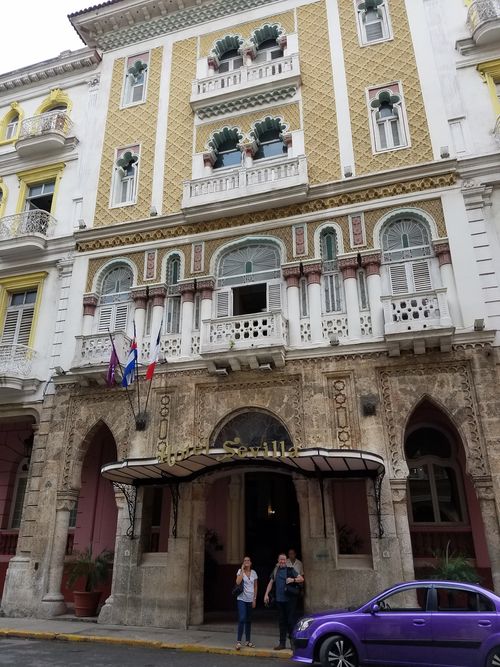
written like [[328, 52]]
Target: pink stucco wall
[[351, 510]]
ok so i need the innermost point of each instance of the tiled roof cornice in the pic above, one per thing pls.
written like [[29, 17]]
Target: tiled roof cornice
[[116, 24], [67, 63]]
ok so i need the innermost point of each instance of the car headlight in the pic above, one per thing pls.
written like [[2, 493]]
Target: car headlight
[[304, 623]]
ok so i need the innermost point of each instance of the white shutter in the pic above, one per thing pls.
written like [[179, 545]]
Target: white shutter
[[121, 317], [173, 314], [273, 296], [399, 281], [374, 30], [222, 303], [421, 276], [23, 336], [105, 317], [10, 327]]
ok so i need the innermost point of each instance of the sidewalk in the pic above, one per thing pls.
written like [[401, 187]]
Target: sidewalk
[[200, 639]]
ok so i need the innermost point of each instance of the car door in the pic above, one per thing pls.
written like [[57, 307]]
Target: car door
[[399, 632], [463, 619]]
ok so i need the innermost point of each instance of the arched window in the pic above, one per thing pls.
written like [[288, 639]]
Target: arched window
[[11, 128], [387, 119], [249, 280], [269, 137], [373, 20], [230, 60], [134, 88], [173, 320], [405, 247], [434, 484], [331, 278], [267, 40], [225, 145], [114, 299], [125, 176]]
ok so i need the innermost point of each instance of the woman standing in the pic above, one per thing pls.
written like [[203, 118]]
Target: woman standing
[[246, 600]]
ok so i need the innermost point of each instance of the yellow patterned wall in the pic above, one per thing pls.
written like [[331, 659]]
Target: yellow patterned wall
[[127, 127], [245, 30], [318, 103], [179, 150], [377, 64], [372, 216], [289, 112]]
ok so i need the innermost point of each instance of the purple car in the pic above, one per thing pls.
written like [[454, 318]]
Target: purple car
[[439, 623]]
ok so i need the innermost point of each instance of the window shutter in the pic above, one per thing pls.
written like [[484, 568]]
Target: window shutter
[[23, 336], [9, 327], [421, 276], [273, 296], [105, 315], [173, 314], [399, 281], [374, 31], [222, 303], [121, 317]]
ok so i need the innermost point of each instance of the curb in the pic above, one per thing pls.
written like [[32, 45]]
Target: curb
[[144, 643]]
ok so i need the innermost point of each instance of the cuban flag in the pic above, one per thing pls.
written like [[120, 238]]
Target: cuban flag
[[131, 365], [155, 355]]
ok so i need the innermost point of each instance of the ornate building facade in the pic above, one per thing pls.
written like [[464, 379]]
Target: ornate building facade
[[298, 201]]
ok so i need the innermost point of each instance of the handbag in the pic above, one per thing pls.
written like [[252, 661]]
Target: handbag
[[237, 589], [292, 589]]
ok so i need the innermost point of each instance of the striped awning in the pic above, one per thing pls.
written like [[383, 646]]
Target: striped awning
[[309, 462]]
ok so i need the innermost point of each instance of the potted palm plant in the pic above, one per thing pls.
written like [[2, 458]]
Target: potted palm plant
[[90, 571]]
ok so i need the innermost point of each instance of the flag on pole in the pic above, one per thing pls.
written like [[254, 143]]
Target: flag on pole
[[155, 355], [130, 367], [113, 363]]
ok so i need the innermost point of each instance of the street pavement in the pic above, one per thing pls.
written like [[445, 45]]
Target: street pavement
[[39, 653]]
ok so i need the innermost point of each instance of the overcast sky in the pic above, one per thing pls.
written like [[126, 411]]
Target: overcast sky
[[35, 30]]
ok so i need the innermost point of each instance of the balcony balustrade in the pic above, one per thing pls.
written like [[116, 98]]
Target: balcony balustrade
[[244, 81], [16, 360], [46, 133], [483, 20], [95, 349], [28, 223], [262, 177]]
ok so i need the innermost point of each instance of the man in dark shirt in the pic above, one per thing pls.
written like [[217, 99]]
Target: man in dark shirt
[[284, 577]]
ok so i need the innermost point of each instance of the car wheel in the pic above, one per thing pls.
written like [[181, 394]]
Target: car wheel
[[337, 651], [494, 658]]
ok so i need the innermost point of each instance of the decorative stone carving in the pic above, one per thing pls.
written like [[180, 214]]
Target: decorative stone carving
[[150, 264], [187, 291], [292, 275], [157, 295], [139, 296], [343, 413], [371, 263], [312, 273], [90, 302], [163, 424], [348, 267], [442, 251]]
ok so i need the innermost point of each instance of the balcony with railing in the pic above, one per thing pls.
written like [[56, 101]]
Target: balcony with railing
[[285, 175], [17, 368], [417, 321], [483, 21], [257, 341], [23, 231], [94, 350], [217, 93], [45, 134]]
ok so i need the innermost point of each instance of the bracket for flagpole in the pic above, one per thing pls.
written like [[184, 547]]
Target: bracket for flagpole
[[140, 421]]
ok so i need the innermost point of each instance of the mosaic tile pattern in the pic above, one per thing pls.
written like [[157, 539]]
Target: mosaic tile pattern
[[379, 64], [127, 127]]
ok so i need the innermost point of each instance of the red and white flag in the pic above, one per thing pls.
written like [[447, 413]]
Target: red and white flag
[[154, 356]]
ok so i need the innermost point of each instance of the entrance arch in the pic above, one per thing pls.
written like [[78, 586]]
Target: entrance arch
[[443, 509]]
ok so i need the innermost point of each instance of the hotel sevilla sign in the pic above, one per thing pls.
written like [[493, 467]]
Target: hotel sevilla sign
[[232, 450]]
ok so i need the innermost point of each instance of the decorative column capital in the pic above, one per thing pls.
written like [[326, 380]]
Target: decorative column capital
[[312, 272], [248, 147], [90, 302], [348, 267], [398, 490], [66, 500], [139, 296], [209, 158], [443, 253], [484, 488], [157, 295], [213, 62], [371, 263], [292, 275], [281, 41], [187, 291], [206, 286], [248, 50]]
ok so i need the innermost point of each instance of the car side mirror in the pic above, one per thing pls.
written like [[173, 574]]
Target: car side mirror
[[374, 608]]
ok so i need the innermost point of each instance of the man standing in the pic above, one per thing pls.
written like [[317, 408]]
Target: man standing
[[284, 579], [293, 561]]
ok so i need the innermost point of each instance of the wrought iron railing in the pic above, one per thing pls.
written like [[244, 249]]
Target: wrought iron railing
[[55, 121], [16, 360], [26, 223]]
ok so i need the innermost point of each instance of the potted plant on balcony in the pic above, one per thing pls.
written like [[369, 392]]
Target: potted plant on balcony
[[90, 571]]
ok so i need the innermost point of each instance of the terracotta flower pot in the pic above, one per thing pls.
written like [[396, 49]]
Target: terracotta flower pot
[[86, 603]]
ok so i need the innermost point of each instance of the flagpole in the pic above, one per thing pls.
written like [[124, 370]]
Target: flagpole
[[151, 380], [137, 378], [121, 371]]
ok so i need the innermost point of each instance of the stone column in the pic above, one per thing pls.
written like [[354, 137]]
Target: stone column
[[443, 254], [313, 275], [371, 264], [236, 518], [197, 568], [206, 288], [53, 601], [400, 504], [187, 309], [292, 277], [157, 296], [491, 521], [348, 268], [89, 305], [140, 297]]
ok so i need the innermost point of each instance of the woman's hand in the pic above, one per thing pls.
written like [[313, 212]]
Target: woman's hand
[[266, 599], [254, 604], [290, 580]]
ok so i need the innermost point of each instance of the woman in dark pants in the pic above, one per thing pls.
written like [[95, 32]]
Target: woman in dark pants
[[246, 601]]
